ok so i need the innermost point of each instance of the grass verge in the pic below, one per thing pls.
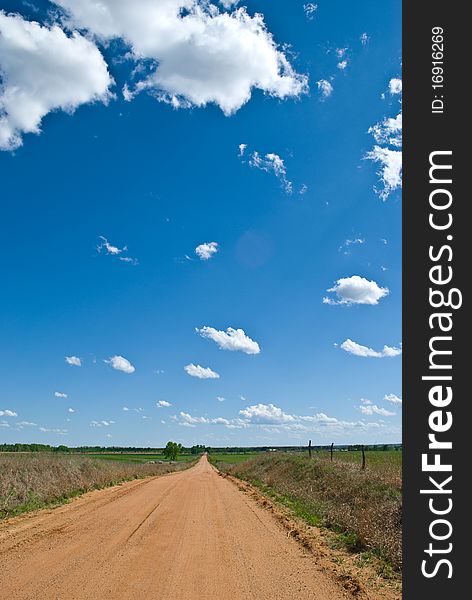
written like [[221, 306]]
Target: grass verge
[[362, 508], [32, 481]]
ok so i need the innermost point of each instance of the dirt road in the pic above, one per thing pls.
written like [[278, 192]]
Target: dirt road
[[185, 536]]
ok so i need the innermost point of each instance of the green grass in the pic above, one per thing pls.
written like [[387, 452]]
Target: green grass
[[231, 457], [362, 507], [138, 458], [375, 459]]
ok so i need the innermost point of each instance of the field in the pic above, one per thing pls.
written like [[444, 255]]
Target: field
[[33, 480], [363, 507], [231, 457], [138, 458]]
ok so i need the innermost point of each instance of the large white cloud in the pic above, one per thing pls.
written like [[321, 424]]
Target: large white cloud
[[366, 352], [356, 290], [119, 363], [42, 70], [201, 55], [201, 372], [231, 339]]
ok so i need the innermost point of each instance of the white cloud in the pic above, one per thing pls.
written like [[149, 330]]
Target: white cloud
[[119, 363], [71, 410], [115, 251], [310, 10], [60, 395], [366, 352], [207, 250], [387, 150], [8, 413], [395, 86], [163, 404], [388, 131], [373, 409], [342, 65], [394, 399], [390, 169], [44, 70], [325, 88], [109, 248], [201, 372], [4, 424], [356, 290], [220, 398], [73, 360], [228, 3], [53, 430], [347, 243], [101, 423], [26, 424], [364, 38], [272, 163], [265, 413], [125, 408], [198, 55], [231, 339]]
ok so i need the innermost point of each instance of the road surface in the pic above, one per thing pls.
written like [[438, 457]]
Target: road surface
[[191, 535]]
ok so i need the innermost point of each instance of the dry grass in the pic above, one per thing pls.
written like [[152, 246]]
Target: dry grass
[[31, 481], [364, 507]]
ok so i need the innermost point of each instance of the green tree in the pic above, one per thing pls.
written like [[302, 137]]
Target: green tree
[[172, 449]]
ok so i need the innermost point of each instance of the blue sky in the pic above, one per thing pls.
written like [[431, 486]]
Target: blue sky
[[297, 186]]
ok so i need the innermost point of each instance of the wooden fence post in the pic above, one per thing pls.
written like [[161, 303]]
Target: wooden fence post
[[332, 451], [363, 458], [309, 448]]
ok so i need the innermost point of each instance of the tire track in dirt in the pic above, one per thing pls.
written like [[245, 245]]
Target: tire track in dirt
[[190, 535]]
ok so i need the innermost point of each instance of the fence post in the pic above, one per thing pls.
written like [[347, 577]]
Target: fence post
[[363, 458], [332, 451], [309, 448]]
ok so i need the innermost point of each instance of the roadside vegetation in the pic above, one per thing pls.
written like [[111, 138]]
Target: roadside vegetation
[[29, 481], [362, 507]]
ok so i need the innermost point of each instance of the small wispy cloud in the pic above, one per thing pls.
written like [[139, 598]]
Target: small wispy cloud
[[201, 372], [393, 398], [163, 404], [310, 9], [110, 249], [270, 163], [220, 398], [356, 349], [325, 88], [364, 38], [345, 246], [373, 409], [101, 423], [75, 361], [71, 410], [60, 395], [8, 413]]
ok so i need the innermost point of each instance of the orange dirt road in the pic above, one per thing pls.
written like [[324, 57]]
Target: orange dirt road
[[191, 535]]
